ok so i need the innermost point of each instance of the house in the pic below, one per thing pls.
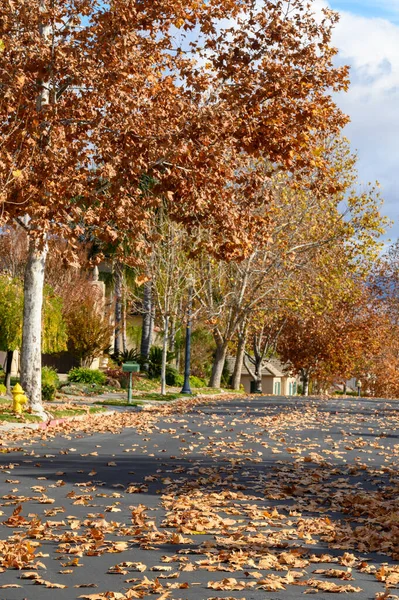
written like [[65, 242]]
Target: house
[[275, 380]]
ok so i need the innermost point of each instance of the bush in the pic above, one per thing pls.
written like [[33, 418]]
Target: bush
[[85, 375], [50, 383], [173, 377], [50, 376], [114, 373], [176, 379], [48, 392], [202, 349], [197, 382], [3, 390], [131, 355], [155, 362]]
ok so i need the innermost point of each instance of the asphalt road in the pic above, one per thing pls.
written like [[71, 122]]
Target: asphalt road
[[244, 498]]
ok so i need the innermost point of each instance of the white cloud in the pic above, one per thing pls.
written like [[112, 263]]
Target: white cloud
[[371, 47]]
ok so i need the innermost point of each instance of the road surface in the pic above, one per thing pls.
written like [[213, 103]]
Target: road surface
[[242, 498]]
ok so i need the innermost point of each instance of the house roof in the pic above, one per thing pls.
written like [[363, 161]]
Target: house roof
[[273, 367]]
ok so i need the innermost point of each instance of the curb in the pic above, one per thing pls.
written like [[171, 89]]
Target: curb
[[52, 423], [145, 403]]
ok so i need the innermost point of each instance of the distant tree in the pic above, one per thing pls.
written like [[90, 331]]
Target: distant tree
[[264, 333], [331, 332], [11, 311], [169, 270], [54, 326], [11, 307], [89, 330], [380, 373]]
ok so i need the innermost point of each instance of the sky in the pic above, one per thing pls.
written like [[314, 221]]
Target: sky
[[367, 38]]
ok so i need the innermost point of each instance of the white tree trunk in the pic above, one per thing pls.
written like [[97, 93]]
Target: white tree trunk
[[124, 320], [148, 323], [164, 355], [31, 350], [118, 285]]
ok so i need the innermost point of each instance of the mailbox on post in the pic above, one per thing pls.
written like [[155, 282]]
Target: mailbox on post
[[130, 367]]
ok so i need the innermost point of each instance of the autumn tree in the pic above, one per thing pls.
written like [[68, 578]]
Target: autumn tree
[[380, 373], [305, 223], [86, 310], [89, 331], [331, 322], [264, 333], [148, 314], [169, 271], [95, 96]]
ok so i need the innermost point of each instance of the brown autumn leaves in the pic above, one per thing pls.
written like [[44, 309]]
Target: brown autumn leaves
[[151, 100], [223, 522]]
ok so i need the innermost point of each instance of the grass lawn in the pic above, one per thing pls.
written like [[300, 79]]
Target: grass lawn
[[6, 413], [111, 402], [74, 412], [142, 384], [137, 400]]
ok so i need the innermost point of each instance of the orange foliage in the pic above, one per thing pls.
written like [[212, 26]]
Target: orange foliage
[[131, 110]]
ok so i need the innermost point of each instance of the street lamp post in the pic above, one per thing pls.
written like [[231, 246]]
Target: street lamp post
[[186, 385]]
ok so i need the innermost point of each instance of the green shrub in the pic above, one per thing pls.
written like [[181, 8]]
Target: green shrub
[[48, 392], [50, 383], [3, 390], [173, 377], [85, 375], [50, 376], [197, 382], [131, 355], [176, 379], [202, 349], [155, 362]]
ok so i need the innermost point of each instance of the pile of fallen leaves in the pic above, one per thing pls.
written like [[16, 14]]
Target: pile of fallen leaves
[[249, 498]]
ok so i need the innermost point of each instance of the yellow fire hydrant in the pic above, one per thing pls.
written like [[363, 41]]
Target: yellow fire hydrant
[[18, 399]]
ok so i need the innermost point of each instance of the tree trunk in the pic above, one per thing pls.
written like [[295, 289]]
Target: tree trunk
[[218, 364], [31, 356], [148, 323], [258, 375], [254, 363], [118, 284], [124, 334], [164, 355], [178, 351], [7, 378], [305, 383], [172, 335], [236, 377], [179, 346]]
